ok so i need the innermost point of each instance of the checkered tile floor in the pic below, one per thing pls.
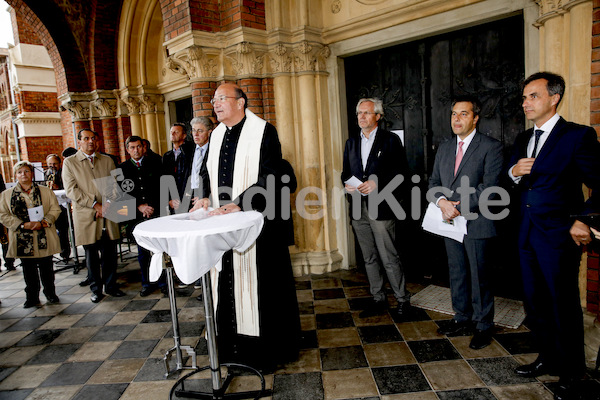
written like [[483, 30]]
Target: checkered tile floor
[[113, 349]]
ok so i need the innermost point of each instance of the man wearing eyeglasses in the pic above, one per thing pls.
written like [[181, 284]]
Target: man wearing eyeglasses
[[264, 329], [371, 161]]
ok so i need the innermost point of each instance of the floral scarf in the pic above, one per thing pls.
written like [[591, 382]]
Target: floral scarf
[[18, 206]]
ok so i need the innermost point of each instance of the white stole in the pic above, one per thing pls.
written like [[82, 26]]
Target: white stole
[[245, 174]]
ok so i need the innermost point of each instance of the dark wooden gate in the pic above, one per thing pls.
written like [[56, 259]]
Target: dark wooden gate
[[417, 82]]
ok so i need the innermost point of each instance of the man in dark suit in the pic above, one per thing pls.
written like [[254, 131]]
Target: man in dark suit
[[375, 158], [477, 157], [178, 162], [144, 173], [550, 163]]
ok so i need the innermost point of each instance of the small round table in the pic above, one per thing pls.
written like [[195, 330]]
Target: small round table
[[195, 243]]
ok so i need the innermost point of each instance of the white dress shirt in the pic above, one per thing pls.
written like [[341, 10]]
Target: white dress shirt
[[199, 154], [365, 146], [547, 128]]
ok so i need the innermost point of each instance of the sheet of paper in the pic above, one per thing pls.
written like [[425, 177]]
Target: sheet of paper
[[354, 182], [434, 222], [36, 214]]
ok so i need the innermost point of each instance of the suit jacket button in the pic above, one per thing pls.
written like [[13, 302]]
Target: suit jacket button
[[528, 206]]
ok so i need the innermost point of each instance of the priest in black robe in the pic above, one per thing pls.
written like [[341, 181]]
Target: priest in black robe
[[244, 155]]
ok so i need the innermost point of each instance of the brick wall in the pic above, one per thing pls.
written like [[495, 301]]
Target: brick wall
[[181, 16], [247, 13], [36, 102], [202, 92], [593, 289], [22, 31], [34, 149]]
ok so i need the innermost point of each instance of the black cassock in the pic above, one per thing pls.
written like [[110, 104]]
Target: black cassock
[[278, 307]]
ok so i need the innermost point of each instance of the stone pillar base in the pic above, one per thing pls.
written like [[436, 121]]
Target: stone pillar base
[[591, 329], [316, 262]]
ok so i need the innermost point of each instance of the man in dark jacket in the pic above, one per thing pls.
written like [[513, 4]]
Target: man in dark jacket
[[178, 162], [375, 162], [141, 173]]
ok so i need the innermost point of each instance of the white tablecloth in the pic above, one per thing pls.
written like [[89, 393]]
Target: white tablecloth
[[195, 241]]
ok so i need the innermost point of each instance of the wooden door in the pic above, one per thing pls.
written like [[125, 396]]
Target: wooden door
[[417, 82]]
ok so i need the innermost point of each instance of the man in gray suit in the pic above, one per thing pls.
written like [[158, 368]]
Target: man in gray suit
[[477, 157]]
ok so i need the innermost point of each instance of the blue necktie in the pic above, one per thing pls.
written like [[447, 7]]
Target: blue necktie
[[538, 133]]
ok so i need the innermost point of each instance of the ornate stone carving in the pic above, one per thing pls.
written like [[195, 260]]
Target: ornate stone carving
[[303, 57], [79, 110], [105, 108], [193, 62], [336, 6], [133, 104], [246, 60], [552, 8], [281, 61], [151, 103]]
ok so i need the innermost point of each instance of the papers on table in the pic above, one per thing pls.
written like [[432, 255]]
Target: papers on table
[[36, 214], [434, 222], [354, 182]]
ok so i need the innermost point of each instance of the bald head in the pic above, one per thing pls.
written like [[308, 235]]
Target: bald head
[[229, 104]]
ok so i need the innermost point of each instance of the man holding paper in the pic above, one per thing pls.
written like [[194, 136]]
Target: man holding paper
[[372, 161], [477, 158]]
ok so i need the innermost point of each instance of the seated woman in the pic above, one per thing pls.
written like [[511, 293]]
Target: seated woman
[[29, 211]]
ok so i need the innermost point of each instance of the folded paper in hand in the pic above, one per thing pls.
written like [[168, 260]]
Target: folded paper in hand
[[434, 222], [354, 182]]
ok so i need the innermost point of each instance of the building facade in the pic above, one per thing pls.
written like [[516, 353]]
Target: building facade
[[126, 67]]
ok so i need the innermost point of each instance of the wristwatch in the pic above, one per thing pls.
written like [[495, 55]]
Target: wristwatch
[[22, 226]]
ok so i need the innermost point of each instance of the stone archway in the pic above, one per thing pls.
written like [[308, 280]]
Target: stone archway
[[140, 58]]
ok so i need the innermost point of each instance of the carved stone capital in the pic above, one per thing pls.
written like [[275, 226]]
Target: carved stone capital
[[554, 8], [105, 108], [151, 103], [280, 59], [194, 63], [132, 104], [79, 110], [301, 57], [310, 57], [246, 60]]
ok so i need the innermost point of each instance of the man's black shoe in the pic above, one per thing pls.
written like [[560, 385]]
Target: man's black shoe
[[116, 293], [146, 291], [481, 339], [96, 297], [29, 304], [85, 282], [455, 328], [567, 389], [533, 370], [53, 300], [402, 312], [374, 308], [164, 290]]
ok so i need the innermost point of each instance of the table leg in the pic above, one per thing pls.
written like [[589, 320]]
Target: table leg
[[175, 320], [219, 386]]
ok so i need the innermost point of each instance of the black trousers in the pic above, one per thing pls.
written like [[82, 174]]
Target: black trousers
[[101, 261], [31, 266], [62, 228], [8, 262]]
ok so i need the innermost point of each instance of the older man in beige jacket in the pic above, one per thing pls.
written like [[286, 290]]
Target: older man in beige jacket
[[85, 179]]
